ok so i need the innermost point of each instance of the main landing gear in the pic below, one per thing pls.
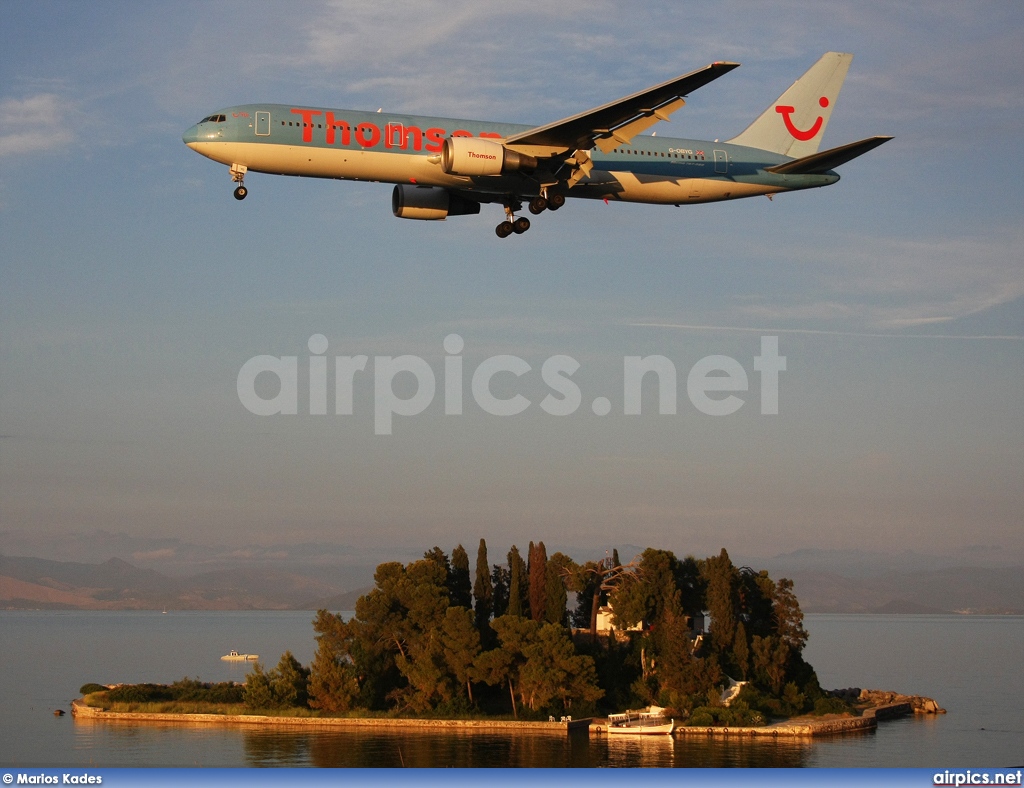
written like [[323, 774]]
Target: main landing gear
[[238, 176], [546, 201], [511, 223], [506, 228]]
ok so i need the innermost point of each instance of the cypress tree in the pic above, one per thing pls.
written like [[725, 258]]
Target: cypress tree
[[459, 590], [556, 596], [483, 592], [538, 581], [500, 579], [517, 584], [722, 585]]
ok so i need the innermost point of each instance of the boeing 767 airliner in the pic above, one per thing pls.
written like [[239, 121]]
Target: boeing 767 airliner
[[444, 167]]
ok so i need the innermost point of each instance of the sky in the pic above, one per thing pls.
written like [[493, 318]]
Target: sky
[[133, 288]]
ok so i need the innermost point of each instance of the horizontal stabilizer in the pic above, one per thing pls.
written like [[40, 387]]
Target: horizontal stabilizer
[[818, 163]]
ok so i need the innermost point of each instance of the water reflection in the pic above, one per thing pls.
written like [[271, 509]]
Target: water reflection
[[441, 749], [741, 752], [265, 747], [632, 751]]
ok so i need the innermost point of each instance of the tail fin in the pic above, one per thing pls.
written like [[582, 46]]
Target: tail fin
[[794, 124]]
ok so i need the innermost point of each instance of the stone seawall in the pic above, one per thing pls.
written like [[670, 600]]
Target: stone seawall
[[897, 706], [80, 710]]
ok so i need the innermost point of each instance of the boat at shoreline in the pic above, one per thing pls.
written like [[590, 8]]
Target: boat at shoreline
[[642, 722], [234, 656]]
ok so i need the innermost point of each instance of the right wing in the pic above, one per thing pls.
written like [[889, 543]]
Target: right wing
[[616, 123]]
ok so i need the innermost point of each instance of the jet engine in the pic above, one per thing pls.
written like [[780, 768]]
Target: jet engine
[[429, 203], [476, 156]]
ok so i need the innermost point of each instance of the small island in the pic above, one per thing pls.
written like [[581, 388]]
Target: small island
[[433, 645]]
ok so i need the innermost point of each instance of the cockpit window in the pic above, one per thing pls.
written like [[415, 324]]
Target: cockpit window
[[214, 119]]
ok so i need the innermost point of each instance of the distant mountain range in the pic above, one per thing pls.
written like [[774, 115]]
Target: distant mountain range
[[37, 583], [309, 576], [996, 590]]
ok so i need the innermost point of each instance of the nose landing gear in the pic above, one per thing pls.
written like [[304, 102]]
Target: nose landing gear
[[238, 176]]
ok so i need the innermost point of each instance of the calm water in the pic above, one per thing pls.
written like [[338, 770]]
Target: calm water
[[972, 665]]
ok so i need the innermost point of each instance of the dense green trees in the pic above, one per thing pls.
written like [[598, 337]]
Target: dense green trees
[[283, 687], [333, 683], [755, 632], [426, 641], [410, 648], [185, 690], [538, 663]]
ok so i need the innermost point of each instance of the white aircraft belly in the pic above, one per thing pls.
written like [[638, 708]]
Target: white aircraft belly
[[672, 191], [317, 162]]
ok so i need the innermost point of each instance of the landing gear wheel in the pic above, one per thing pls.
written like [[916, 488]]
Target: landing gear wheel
[[241, 192], [555, 201], [521, 225], [538, 205], [504, 230]]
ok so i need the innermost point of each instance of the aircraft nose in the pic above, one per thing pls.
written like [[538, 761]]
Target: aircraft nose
[[191, 137]]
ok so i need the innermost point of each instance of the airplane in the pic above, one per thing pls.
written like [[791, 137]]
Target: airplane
[[445, 167]]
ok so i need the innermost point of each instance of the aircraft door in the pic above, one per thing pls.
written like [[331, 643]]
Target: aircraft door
[[394, 135], [263, 124], [721, 161]]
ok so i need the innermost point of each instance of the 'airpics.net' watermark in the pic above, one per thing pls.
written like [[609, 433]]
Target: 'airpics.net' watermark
[[712, 384]]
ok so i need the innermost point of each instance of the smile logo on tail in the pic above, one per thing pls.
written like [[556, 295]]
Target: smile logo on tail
[[803, 136]]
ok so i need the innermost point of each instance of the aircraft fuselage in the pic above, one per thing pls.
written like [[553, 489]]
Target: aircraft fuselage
[[317, 142]]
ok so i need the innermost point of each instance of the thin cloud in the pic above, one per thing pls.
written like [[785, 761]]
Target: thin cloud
[[893, 282], [33, 125], [824, 332]]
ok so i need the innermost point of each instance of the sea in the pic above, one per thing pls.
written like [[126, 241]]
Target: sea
[[972, 665]]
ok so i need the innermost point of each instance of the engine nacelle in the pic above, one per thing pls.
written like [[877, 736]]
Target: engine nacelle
[[476, 156], [430, 203]]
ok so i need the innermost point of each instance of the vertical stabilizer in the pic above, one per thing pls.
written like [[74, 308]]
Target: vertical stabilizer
[[793, 124]]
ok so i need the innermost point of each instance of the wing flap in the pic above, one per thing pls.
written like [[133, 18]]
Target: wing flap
[[621, 135], [818, 163]]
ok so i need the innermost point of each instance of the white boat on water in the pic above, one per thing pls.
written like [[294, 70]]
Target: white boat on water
[[234, 656], [646, 722]]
